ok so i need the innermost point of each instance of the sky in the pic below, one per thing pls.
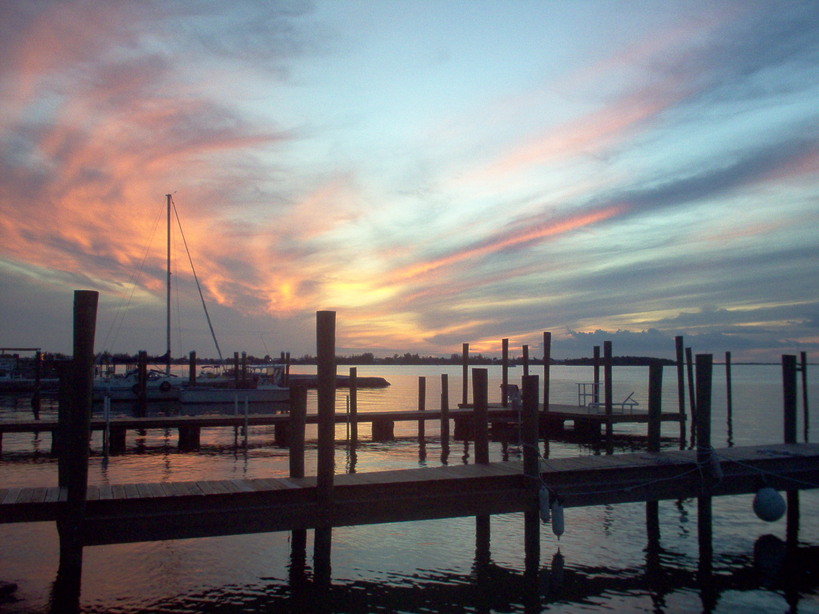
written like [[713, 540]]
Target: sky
[[435, 172]]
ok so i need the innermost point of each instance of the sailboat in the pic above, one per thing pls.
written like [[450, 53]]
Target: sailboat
[[160, 385]]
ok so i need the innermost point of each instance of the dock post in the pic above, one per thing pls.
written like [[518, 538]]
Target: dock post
[[70, 525], [803, 367], [480, 385], [692, 397], [655, 410], [505, 372], [789, 420], [353, 406], [547, 364], [704, 452], [192, 368], [444, 409], [326, 375], [525, 360], [678, 344], [607, 360], [729, 399], [531, 470], [422, 406], [596, 374], [236, 369], [35, 399], [655, 393], [465, 366]]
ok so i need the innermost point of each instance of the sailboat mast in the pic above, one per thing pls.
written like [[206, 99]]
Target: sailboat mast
[[168, 285]]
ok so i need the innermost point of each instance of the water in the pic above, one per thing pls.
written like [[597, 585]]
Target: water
[[603, 563]]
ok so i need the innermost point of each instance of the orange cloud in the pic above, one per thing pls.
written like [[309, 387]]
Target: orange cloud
[[514, 238]]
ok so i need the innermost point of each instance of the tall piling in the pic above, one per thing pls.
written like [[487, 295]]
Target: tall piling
[[505, 372], [704, 370], [680, 349], [547, 365], [789, 420], [481, 414], [465, 374], [353, 406], [326, 390]]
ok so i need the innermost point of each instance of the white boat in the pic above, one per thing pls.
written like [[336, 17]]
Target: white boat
[[160, 386], [266, 386]]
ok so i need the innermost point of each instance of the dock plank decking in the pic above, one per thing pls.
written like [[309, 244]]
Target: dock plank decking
[[170, 510]]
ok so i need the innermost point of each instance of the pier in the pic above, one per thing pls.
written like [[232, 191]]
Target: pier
[[90, 515]]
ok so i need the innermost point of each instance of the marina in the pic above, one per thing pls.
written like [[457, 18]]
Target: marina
[[493, 487]]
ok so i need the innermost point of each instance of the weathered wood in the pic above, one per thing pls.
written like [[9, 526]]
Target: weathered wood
[[480, 379], [422, 405], [326, 371], [547, 365], [465, 373], [298, 414], [607, 374], [680, 350], [504, 373], [444, 409], [655, 410], [353, 405]]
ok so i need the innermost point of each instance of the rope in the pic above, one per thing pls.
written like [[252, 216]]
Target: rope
[[196, 279]]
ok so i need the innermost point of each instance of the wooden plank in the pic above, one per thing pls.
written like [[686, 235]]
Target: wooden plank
[[53, 494], [32, 495], [11, 496], [241, 486], [105, 492]]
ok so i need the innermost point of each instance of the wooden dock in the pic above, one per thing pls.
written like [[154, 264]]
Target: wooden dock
[[587, 421], [172, 510]]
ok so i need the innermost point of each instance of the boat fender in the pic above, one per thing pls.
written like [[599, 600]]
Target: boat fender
[[769, 504], [165, 386], [545, 504], [558, 525]]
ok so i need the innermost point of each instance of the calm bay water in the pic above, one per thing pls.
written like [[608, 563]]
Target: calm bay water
[[603, 562]]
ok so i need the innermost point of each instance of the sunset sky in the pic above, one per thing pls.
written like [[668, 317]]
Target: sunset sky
[[436, 172]]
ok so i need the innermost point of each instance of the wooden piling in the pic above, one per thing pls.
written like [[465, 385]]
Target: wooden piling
[[78, 433], [678, 344], [422, 405], [704, 371], [298, 417], [728, 389], [353, 406], [35, 399], [192, 368], [655, 392], [480, 383], [789, 411], [465, 379], [692, 397], [531, 469], [236, 369], [596, 374], [547, 365], [804, 369], [607, 360], [525, 360], [505, 372], [444, 409], [326, 389]]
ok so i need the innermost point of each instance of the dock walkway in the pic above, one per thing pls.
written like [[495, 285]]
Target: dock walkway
[[170, 510]]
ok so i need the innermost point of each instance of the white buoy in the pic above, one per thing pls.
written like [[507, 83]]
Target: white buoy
[[557, 518], [769, 504], [545, 505]]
